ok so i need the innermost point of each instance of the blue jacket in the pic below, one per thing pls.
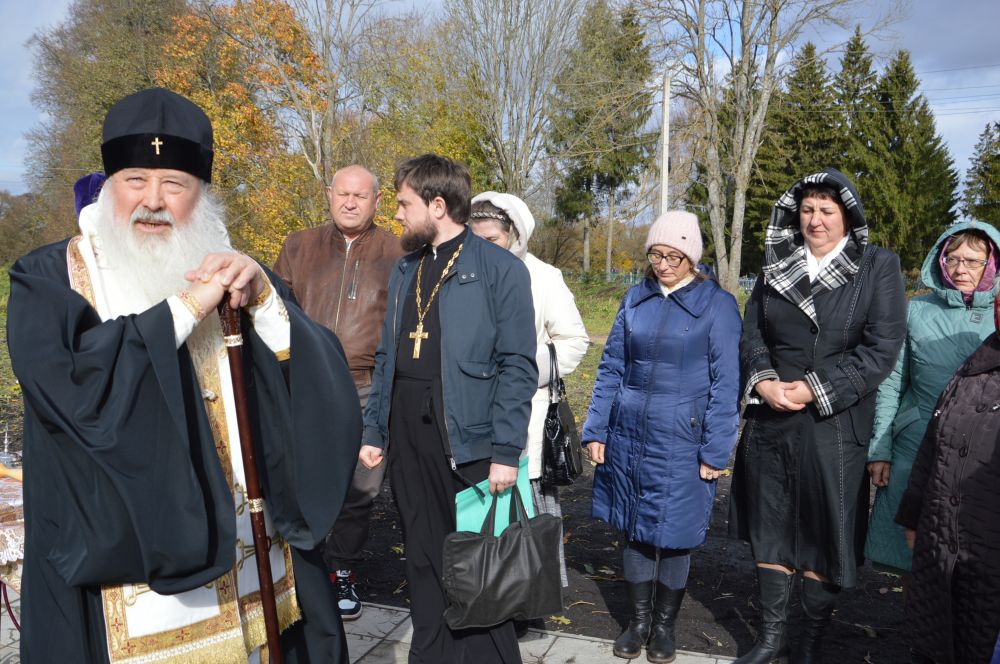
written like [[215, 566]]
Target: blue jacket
[[488, 372], [666, 398]]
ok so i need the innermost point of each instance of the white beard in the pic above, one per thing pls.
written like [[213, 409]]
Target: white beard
[[150, 268]]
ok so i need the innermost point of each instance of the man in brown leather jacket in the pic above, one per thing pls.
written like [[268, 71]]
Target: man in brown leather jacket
[[339, 273]]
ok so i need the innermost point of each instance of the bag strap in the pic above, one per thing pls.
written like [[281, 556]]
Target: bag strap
[[554, 396], [522, 514], [489, 523]]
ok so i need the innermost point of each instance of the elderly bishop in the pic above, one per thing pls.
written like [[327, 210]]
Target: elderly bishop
[[138, 542]]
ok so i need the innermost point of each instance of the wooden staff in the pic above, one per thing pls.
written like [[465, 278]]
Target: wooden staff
[[233, 337]]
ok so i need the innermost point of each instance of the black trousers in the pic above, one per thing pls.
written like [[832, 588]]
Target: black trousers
[[345, 542], [424, 487]]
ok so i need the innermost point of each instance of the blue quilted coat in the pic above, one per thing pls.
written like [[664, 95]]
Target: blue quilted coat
[[666, 398]]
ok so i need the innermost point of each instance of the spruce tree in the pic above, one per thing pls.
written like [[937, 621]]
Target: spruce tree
[[911, 196], [982, 181], [801, 138], [603, 104], [858, 153]]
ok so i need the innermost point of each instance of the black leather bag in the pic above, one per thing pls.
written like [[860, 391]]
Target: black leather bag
[[489, 580], [562, 458]]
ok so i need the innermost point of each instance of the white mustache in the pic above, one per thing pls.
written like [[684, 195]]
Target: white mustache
[[143, 213]]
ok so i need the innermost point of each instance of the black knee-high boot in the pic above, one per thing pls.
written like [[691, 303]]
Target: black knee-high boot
[[666, 606], [640, 600], [818, 600], [772, 644]]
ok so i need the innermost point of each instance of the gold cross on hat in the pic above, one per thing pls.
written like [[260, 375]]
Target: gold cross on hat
[[156, 144]]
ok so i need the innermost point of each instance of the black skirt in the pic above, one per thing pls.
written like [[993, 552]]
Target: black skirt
[[800, 492]]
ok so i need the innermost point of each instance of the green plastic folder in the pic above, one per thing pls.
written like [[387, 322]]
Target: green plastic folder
[[470, 509]]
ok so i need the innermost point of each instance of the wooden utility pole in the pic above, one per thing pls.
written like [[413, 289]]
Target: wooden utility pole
[[665, 148]]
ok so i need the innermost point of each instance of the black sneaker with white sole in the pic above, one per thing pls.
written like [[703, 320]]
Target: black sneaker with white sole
[[347, 597]]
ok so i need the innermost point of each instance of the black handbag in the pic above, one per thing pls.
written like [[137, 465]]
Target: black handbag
[[562, 458], [489, 580]]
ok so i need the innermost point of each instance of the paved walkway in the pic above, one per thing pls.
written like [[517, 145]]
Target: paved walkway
[[382, 636]]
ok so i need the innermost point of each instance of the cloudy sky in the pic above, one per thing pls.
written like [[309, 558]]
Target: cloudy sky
[[953, 44]]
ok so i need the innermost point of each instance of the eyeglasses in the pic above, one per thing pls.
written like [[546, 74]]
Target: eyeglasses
[[967, 263], [673, 260]]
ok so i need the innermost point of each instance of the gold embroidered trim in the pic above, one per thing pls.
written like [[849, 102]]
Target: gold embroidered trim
[[289, 612], [264, 293], [256, 505], [79, 276], [233, 340], [192, 304], [238, 629]]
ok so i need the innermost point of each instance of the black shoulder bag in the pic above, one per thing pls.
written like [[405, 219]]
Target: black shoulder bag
[[562, 458]]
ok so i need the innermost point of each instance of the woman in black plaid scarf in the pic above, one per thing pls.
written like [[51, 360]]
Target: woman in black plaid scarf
[[822, 330]]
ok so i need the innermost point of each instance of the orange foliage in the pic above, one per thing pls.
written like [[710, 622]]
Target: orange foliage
[[268, 188]]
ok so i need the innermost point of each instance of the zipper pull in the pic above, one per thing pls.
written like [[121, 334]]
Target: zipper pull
[[451, 460]]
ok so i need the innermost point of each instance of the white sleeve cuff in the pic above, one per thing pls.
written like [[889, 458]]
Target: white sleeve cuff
[[184, 320], [270, 320]]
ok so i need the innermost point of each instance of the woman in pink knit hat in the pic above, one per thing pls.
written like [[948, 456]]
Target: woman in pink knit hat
[[662, 424]]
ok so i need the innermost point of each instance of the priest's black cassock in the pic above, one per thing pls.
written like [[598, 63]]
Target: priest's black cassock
[[123, 481]]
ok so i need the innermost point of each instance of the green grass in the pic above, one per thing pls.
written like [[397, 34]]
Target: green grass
[[598, 305]]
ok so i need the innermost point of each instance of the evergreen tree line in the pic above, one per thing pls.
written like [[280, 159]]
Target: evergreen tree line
[[879, 130]]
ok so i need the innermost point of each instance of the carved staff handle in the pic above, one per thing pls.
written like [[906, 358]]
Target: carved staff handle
[[233, 336]]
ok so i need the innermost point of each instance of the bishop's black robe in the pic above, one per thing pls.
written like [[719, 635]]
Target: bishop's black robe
[[122, 480]]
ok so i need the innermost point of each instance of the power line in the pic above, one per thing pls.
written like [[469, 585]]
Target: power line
[[964, 87], [938, 71]]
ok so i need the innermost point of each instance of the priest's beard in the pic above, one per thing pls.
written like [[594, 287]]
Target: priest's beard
[[150, 268], [418, 235]]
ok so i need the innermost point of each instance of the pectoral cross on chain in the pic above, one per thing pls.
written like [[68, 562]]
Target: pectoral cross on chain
[[156, 143], [418, 335]]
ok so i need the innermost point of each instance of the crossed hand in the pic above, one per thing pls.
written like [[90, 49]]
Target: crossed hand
[[225, 272], [785, 396]]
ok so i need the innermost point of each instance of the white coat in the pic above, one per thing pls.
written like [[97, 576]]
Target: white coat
[[556, 319]]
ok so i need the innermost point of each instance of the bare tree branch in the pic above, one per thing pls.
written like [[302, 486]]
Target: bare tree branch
[[748, 38]]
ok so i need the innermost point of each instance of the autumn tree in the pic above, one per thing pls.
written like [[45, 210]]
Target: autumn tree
[[266, 183], [318, 98], [982, 181], [21, 224], [104, 50]]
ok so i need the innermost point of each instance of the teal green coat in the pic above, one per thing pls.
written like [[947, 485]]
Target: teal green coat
[[941, 331]]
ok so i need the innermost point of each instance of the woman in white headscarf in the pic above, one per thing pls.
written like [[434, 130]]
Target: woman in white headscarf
[[505, 220]]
